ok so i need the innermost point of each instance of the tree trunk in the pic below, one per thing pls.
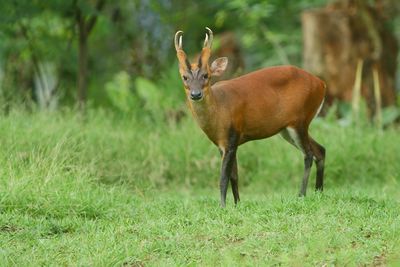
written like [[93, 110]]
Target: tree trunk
[[83, 63], [338, 36], [85, 25]]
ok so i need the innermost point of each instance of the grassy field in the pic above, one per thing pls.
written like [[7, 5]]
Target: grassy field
[[112, 191]]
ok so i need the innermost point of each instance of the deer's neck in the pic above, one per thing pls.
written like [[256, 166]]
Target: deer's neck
[[204, 111]]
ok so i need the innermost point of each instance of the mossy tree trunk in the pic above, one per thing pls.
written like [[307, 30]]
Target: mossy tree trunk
[[341, 34]]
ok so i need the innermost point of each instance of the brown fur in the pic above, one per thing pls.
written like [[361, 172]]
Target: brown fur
[[257, 105]]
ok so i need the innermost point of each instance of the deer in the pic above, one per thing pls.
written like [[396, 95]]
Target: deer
[[274, 100]]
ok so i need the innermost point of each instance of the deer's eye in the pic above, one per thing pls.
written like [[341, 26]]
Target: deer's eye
[[205, 76], [184, 78]]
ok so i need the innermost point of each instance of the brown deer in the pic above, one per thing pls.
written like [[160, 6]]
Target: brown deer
[[260, 104]]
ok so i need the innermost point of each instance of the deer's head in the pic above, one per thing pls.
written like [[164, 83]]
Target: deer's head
[[196, 76]]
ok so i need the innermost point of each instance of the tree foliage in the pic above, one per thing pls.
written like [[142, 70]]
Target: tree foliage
[[134, 38]]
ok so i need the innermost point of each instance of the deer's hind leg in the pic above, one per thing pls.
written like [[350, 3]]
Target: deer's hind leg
[[299, 138], [319, 158]]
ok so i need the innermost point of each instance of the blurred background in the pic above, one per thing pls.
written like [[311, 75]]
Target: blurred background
[[101, 163], [119, 55]]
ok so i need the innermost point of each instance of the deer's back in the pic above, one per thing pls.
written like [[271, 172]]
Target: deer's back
[[263, 102]]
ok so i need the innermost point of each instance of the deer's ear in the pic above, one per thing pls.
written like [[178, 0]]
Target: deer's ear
[[219, 66]]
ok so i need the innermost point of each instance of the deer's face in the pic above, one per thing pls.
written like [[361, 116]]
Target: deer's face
[[196, 80], [196, 76]]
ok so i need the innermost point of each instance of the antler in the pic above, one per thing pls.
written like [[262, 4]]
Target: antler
[[209, 38], [178, 44]]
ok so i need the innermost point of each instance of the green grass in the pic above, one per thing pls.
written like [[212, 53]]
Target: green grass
[[117, 191]]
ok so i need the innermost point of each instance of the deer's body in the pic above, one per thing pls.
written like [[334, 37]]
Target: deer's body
[[257, 105]]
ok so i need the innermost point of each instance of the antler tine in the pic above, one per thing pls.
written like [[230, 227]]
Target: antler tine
[[178, 40], [205, 41], [209, 38]]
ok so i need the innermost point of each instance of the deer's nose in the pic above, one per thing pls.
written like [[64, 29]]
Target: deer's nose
[[196, 95]]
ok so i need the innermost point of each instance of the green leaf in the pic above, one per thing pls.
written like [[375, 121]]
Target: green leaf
[[149, 93], [118, 90]]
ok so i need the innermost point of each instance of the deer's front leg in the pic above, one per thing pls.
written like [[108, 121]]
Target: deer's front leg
[[234, 181], [228, 161]]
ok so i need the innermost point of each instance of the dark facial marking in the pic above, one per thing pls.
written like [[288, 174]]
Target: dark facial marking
[[199, 63], [188, 64]]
